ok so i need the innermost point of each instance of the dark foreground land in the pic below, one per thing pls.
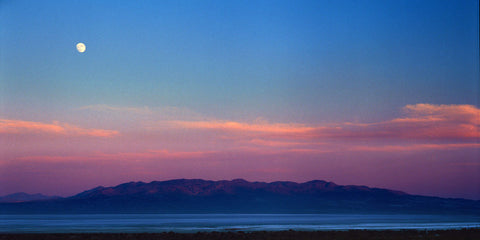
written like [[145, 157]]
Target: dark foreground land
[[473, 234]]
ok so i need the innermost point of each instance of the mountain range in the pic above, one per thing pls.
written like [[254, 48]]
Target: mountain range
[[240, 196], [25, 197]]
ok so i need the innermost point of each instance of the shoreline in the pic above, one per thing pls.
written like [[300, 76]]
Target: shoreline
[[468, 233]]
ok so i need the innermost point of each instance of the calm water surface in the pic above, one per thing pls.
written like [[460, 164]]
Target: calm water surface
[[226, 222]]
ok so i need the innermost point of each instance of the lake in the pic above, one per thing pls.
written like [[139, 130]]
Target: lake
[[226, 222]]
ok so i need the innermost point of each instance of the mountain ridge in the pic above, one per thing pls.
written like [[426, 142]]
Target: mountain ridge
[[241, 196], [213, 185]]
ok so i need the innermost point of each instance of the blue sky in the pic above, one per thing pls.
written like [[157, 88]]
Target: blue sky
[[300, 61], [307, 63]]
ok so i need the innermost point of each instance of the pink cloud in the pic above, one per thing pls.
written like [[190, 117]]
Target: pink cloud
[[279, 128], [271, 143], [415, 147], [428, 124], [152, 154], [453, 113], [8, 126], [142, 155], [422, 121], [426, 121]]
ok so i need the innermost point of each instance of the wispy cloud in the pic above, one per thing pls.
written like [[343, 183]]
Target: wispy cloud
[[107, 108], [8, 126], [421, 121], [270, 143], [415, 147], [274, 128], [147, 114], [130, 156]]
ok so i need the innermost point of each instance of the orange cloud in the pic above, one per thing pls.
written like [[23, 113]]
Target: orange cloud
[[24, 127]]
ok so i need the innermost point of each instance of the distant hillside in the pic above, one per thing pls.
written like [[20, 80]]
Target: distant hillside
[[240, 196], [25, 197]]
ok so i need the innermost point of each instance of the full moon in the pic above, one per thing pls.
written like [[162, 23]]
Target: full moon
[[81, 47]]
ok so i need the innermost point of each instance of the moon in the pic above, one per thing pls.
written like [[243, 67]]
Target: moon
[[81, 47]]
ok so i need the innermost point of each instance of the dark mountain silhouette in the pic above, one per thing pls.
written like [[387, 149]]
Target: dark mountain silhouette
[[240, 196], [25, 197]]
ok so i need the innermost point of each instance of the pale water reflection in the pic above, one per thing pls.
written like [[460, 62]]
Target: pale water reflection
[[227, 222]]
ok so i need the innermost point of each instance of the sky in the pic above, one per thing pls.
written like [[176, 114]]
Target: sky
[[376, 93]]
